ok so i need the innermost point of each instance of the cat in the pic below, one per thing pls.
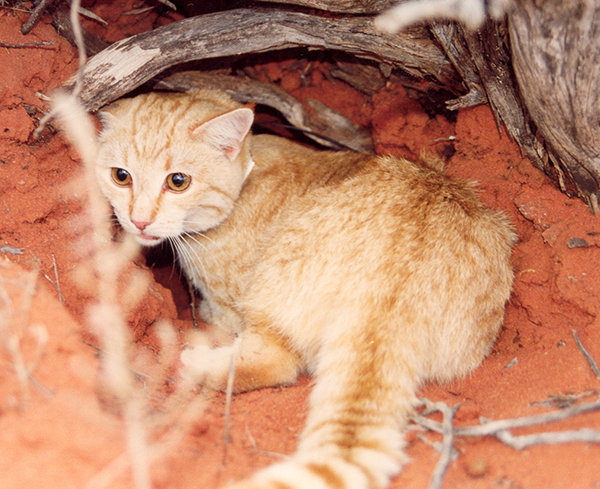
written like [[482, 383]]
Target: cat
[[371, 273]]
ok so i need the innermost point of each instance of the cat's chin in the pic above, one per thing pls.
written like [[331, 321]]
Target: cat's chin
[[148, 241]]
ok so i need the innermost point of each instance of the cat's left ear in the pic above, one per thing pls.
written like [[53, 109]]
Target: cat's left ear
[[106, 118], [226, 132]]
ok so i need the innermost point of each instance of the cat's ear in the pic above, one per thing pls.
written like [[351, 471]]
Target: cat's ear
[[226, 132], [106, 117]]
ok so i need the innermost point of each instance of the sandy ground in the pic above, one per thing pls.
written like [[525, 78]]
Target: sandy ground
[[59, 428]]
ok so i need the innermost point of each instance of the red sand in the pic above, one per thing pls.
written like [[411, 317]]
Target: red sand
[[58, 432]]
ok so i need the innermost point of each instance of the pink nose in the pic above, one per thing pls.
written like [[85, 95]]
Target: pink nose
[[141, 225]]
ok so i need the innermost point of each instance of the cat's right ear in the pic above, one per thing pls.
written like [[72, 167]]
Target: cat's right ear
[[106, 115], [226, 133], [106, 118]]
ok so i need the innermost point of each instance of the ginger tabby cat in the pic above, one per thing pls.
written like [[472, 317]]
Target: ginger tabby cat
[[370, 273]]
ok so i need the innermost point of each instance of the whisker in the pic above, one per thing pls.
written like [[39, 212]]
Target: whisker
[[191, 236], [188, 253]]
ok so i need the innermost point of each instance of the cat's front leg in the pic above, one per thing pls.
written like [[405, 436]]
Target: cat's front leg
[[260, 359], [216, 311]]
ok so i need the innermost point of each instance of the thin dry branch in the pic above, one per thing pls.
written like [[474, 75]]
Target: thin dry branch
[[448, 438], [35, 16], [26, 45], [587, 356], [15, 326], [585, 435], [491, 428], [500, 430]]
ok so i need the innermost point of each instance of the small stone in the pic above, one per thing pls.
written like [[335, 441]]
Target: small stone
[[477, 468], [577, 243]]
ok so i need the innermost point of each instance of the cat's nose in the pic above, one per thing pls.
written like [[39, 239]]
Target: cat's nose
[[141, 225]]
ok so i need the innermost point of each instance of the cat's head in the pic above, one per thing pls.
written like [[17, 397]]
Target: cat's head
[[172, 164]]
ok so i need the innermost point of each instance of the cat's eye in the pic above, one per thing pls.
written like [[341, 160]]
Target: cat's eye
[[178, 182], [121, 177]]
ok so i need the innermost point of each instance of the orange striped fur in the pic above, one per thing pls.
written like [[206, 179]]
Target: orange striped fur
[[371, 273]]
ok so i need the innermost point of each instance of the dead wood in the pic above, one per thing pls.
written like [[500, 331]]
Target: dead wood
[[483, 60], [62, 23], [451, 38], [321, 120], [127, 64], [538, 71], [556, 59], [343, 6], [34, 18], [364, 77]]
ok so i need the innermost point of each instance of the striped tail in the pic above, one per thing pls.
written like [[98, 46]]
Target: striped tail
[[353, 436]]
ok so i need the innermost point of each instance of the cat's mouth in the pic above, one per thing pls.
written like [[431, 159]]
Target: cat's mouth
[[147, 240]]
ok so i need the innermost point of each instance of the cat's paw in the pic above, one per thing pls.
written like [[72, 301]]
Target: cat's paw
[[207, 366]]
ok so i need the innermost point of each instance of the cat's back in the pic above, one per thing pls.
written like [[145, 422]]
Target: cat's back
[[386, 191], [359, 212]]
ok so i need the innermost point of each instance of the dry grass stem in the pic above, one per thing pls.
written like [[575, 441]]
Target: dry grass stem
[[15, 327], [57, 285], [106, 320], [91, 15], [106, 317]]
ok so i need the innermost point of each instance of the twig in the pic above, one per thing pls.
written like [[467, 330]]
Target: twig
[[55, 285], [446, 453], [524, 441], [499, 429], [317, 121], [587, 356], [564, 400], [35, 16], [250, 437], [490, 428], [27, 44]]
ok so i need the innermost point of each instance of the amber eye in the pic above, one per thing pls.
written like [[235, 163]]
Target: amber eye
[[121, 177], [178, 182]]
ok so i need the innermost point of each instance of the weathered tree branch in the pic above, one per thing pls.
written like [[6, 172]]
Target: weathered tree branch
[[554, 54], [556, 59], [324, 121], [343, 6], [62, 23], [127, 64]]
